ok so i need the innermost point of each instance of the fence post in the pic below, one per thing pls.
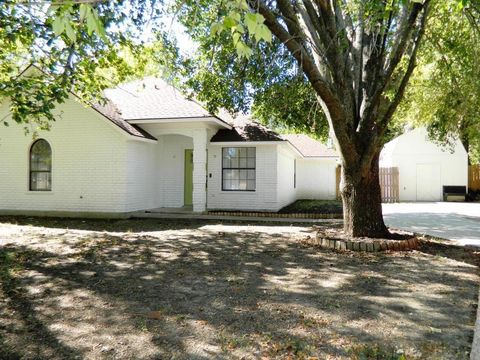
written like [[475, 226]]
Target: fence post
[[474, 177]]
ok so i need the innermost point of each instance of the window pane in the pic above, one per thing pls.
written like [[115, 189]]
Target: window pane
[[251, 152], [251, 174], [235, 185], [243, 184], [234, 162], [250, 184], [227, 184], [226, 162], [251, 163], [232, 152], [243, 162], [227, 174], [40, 181], [243, 174], [242, 152]]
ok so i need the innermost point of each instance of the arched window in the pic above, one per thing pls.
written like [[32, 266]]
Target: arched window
[[40, 166]]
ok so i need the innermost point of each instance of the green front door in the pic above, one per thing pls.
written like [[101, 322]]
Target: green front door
[[188, 185]]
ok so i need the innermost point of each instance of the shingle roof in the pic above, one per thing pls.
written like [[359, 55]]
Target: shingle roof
[[309, 147], [246, 130], [110, 111], [147, 99], [152, 98]]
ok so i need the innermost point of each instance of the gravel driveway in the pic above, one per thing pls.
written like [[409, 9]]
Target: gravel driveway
[[459, 222]]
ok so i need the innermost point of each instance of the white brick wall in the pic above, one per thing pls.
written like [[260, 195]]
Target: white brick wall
[[316, 179], [287, 193], [88, 169], [142, 166], [265, 195]]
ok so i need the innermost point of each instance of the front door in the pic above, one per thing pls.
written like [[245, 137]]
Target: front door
[[188, 182]]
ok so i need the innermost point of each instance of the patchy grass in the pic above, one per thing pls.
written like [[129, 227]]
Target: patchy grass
[[149, 289], [314, 207]]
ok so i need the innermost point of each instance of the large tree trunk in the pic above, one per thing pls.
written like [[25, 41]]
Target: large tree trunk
[[362, 200]]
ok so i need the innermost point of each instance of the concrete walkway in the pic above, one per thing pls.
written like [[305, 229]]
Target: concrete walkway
[[459, 222]]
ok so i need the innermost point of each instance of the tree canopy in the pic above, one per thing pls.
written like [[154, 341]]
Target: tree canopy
[[80, 46], [444, 92]]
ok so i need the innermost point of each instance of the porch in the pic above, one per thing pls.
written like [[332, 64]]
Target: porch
[[180, 167]]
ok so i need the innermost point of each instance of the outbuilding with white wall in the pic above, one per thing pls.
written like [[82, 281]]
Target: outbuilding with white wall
[[424, 166]]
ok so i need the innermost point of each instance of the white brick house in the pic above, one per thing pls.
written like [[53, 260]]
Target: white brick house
[[149, 148]]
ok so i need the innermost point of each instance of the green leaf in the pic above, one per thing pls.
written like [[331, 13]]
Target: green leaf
[[216, 28], [236, 37], [239, 28], [243, 50], [251, 22], [100, 29], [58, 25], [229, 22], [85, 9], [264, 33], [235, 16], [70, 32], [91, 23]]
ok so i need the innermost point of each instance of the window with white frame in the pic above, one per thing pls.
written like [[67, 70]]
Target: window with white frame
[[238, 168], [40, 166]]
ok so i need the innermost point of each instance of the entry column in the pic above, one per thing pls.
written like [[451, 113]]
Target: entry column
[[199, 196]]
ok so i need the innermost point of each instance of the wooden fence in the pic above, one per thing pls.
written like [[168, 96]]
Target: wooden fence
[[389, 184], [474, 177]]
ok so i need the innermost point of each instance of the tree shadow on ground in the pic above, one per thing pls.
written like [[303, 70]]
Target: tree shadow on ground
[[19, 316], [134, 225], [465, 254], [198, 293]]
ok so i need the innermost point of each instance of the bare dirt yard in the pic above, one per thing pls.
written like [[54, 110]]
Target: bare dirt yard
[[151, 289]]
